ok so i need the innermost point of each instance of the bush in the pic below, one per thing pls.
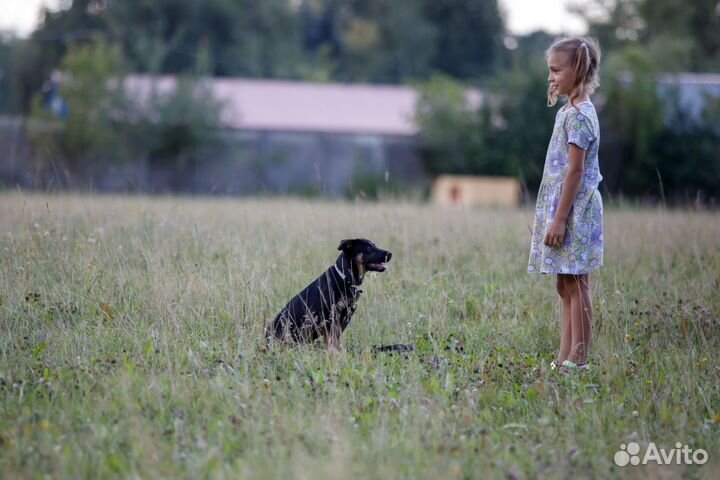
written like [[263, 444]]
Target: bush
[[506, 135], [88, 133], [650, 146], [107, 123]]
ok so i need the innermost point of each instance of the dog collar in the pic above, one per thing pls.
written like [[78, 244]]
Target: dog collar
[[345, 279], [342, 275]]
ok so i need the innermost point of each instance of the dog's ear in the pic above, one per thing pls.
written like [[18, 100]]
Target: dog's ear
[[346, 245]]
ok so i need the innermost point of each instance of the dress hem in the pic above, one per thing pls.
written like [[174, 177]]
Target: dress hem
[[541, 272]]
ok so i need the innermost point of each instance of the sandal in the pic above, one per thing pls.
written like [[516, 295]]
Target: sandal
[[569, 367]]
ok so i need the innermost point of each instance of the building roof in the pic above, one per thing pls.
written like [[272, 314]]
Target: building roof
[[278, 105]]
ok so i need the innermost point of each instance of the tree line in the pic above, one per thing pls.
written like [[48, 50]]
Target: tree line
[[322, 40]]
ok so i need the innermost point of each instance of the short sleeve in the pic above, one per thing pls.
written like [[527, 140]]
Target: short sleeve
[[579, 129]]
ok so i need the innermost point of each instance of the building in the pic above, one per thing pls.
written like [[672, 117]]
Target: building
[[688, 93], [295, 137]]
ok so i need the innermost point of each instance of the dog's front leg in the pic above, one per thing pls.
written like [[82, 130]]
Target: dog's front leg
[[332, 338], [332, 343], [333, 330]]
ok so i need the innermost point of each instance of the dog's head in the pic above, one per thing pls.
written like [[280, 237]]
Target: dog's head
[[365, 255]]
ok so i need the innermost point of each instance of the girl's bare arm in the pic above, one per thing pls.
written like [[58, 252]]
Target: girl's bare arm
[[576, 167]]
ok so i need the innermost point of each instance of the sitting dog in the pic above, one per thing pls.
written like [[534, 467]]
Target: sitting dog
[[324, 308]]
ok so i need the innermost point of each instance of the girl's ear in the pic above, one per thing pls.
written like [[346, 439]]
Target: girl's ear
[[346, 245]]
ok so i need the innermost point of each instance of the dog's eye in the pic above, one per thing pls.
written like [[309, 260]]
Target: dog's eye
[[368, 249]]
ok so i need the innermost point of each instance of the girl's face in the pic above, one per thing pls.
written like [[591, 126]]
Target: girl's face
[[561, 76]]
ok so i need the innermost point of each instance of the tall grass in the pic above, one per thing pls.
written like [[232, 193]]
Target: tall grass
[[130, 343]]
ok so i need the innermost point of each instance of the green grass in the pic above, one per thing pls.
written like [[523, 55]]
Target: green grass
[[130, 343]]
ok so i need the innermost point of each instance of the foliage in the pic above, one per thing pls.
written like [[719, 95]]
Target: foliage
[[174, 126], [244, 37], [387, 41], [459, 137], [651, 145], [375, 186], [632, 117], [412, 41], [89, 132], [506, 135], [370, 40], [450, 131], [107, 123], [525, 133], [10, 66], [677, 35], [469, 36]]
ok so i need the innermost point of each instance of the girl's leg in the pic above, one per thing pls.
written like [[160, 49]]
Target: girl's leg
[[565, 323], [578, 287]]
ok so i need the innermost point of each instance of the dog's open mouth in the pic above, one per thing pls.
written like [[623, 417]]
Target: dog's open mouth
[[377, 267]]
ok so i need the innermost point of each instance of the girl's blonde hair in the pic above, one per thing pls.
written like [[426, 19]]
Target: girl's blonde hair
[[584, 56]]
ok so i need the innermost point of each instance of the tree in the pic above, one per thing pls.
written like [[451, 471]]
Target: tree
[[678, 35], [13, 55], [76, 24], [391, 41], [89, 132], [110, 122], [501, 136], [523, 137], [630, 121], [346, 40], [450, 140], [469, 38], [652, 146], [244, 37], [176, 124], [370, 40]]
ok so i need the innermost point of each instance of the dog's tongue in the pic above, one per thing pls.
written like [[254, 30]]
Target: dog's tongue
[[380, 267]]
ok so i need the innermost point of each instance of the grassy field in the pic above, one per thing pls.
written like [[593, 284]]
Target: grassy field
[[130, 344]]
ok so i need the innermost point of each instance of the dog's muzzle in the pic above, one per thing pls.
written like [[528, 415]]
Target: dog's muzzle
[[380, 266]]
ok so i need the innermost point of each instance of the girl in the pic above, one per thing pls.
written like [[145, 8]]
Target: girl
[[567, 237]]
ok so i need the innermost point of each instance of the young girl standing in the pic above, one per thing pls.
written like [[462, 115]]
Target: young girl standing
[[567, 237]]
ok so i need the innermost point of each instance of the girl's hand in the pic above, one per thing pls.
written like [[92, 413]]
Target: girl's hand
[[556, 234]]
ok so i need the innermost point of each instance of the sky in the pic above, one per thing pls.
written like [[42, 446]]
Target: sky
[[523, 16]]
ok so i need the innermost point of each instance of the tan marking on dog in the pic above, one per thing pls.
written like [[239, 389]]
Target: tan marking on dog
[[362, 270]]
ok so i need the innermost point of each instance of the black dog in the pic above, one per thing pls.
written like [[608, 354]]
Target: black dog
[[324, 308]]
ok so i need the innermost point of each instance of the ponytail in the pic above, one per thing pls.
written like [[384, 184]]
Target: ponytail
[[580, 71]]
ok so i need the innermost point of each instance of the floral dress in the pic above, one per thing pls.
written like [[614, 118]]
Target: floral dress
[[582, 249]]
